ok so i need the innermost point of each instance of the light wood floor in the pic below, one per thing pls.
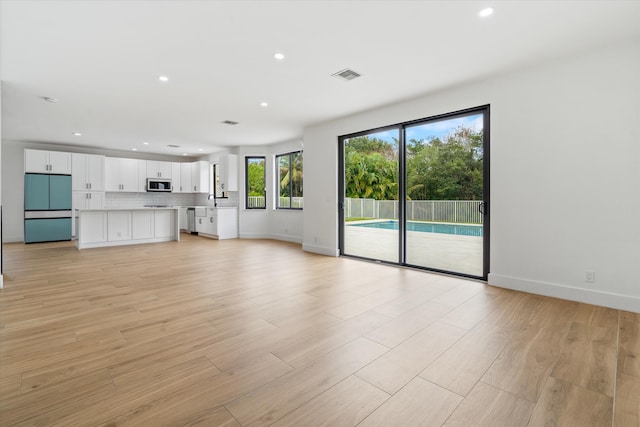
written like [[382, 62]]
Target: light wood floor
[[244, 332]]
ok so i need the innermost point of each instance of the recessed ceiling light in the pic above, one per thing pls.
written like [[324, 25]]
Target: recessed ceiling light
[[486, 12], [134, 149], [278, 56], [200, 149], [163, 79], [49, 99], [145, 143], [184, 154], [77, 134], [264, 104]]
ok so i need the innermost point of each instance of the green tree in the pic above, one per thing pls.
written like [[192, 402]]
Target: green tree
[[446, 170], [255, 176], [370, 169]]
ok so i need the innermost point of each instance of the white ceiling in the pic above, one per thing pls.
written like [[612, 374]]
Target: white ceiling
[[102, 59]]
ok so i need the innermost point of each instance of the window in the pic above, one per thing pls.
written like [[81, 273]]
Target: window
[[289, 180], [255, 183]]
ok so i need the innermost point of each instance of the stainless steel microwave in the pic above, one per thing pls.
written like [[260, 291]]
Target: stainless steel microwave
[[159, 184]]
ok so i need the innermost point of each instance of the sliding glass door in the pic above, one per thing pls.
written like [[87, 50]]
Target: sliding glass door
[[416, 194], [370, 196]]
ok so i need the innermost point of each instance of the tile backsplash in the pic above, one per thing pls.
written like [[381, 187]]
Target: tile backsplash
[[136, 200]]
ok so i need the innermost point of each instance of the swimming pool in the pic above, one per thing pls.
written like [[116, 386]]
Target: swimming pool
[[427, 227]]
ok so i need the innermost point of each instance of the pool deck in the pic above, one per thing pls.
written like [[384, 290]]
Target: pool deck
[[460, 254]]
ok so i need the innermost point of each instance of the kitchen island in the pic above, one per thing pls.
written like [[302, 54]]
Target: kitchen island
[[126, 226]]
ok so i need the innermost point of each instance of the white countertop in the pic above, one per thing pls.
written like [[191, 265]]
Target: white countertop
[[142, 208]]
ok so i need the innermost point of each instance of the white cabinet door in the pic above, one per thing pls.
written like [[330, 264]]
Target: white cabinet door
[[129, 175], [229, 172], [164, 223], [119, 225], [184, 219], [95, 200], [121, 174], [142, 224], [112, 174], [36, 161], [87, 172], [156, 169], [185, 178], [201, 224], [212, 222], [79, 180], [42, 161], [93, 227], [60, 162], [175, 177], [142, 176], [200, 177], [95, 172]]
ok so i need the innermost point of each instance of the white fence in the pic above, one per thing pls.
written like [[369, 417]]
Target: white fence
[[259, 202], [455, 211]]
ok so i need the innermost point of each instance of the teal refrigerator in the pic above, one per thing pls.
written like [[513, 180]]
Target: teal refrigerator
[[47, 207]]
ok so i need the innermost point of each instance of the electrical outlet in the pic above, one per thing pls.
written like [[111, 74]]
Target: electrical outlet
[[589, 276]]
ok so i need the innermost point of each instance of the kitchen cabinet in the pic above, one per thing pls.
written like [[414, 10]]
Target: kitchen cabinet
[[219, 223], [121, 174], [93, 227], [87, 172], [175, 177], [119, 225], [85, 200], [88, 199], [51, 162], [157, 169], [229, 172], [142, 176], [185, 177], [142, 224], [184, 219], [164, 223], [115, 227], [200, 177]]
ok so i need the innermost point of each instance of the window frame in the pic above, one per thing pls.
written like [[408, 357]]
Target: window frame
[[277, 180], [247, 160]]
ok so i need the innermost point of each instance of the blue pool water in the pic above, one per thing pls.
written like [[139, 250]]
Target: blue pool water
[[427, 227]]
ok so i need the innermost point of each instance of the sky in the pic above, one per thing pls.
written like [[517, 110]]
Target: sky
[[439, 129]]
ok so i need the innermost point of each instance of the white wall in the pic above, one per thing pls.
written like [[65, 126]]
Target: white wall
[[269, 223], [13, 179], [565, 174]]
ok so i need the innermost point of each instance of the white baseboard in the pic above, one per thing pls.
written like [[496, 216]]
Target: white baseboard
[[287, 238], [254, 236], [320, 250], [589, 296]]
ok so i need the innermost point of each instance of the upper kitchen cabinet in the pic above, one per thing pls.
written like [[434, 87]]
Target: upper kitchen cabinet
[[176, 182], [200, 177], [185, 178], [121, 174], [229, 172], [51, 162], [157, 169], [87, 172]]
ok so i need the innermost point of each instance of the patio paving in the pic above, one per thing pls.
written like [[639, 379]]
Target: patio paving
[[460, 254]]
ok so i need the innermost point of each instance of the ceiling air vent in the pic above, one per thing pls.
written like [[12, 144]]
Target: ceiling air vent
[[230, 122], [173, 146], [347, 74]]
